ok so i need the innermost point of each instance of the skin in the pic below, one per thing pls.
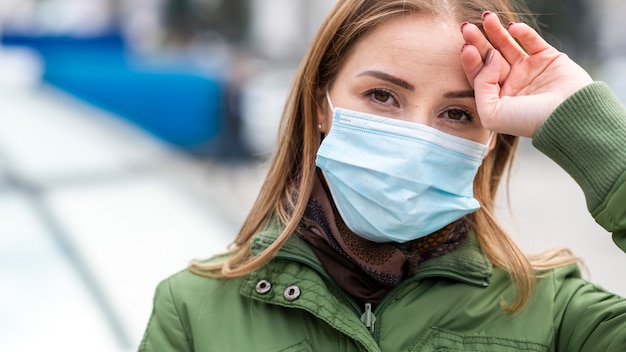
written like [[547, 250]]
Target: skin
[[409, 69], [458, 81], [517, 89]]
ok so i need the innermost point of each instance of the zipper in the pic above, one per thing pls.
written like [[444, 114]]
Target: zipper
[[368, 318]]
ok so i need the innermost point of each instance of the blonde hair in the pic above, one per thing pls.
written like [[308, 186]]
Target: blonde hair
[[287, 187]]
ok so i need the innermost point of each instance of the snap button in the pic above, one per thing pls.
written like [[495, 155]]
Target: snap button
[[263, 287], [292, 293]]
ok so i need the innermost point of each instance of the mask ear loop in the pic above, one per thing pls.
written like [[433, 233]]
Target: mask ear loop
[[330, 103], [488, 144], [332, 108], [491, 134]]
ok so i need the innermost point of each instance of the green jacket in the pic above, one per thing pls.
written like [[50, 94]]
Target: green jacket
[[454, 301]]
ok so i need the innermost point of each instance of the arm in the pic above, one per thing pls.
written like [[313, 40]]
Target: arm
[[540, 93], [533, 90], [165, 331], [586, 136]]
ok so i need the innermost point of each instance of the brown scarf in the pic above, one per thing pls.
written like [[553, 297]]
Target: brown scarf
[[364, 269]]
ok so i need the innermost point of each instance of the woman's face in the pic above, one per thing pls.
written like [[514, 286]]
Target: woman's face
[[409, 69]]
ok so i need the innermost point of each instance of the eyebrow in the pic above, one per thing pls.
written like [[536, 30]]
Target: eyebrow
[[406, 85], [389, 78], [460, 94]]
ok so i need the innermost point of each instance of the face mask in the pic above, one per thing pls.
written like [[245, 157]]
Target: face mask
[[396, 181]]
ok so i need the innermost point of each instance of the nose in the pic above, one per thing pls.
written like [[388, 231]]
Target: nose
[[420, 114]]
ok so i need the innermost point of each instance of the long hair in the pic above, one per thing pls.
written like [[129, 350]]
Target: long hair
[[287, 187]]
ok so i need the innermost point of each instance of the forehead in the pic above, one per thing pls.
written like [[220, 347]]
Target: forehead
[[410, 41]]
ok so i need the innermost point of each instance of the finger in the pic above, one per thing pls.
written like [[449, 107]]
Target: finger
[[474, 36], [472, 62], [487, 89], [501, 39], [497, 111], [529, 38]]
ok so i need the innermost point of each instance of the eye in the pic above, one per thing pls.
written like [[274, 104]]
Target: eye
[[381, 96], [458, 115]]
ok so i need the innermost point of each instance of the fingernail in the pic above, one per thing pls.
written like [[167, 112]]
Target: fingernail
[[510, 24], [488, 57], [485, 14], [463, 25]]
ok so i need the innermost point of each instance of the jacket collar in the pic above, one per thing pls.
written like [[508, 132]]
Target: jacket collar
[[288, 281], [467, 263]]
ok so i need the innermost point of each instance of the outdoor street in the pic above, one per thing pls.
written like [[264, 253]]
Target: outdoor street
[[94, 213]]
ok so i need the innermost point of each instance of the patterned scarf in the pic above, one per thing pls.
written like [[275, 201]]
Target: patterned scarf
[[364, 269]]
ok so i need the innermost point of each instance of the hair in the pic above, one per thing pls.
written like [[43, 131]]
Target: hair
[[287, 187]]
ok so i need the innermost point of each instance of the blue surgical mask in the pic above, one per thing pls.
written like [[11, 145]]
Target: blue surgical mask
[[397, 181]]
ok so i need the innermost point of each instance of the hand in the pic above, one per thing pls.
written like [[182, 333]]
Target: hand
[[517, 87]]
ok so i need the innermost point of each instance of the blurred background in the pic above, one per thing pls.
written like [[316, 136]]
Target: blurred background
[[134, 135]]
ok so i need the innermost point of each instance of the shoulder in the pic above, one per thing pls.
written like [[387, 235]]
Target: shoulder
[[185, 279], [182, 302], [585, 314], [186, 287], [572, 294], [554, 288], [563, 273], [187, 298], [560, 279]]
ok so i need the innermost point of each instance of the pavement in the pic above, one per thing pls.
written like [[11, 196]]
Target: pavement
[[94, 213]]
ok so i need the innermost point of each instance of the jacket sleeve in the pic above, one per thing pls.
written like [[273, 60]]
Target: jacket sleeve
[[586, 136], [165, 331]]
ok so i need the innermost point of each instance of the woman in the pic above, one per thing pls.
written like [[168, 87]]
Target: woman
[[374, 230]]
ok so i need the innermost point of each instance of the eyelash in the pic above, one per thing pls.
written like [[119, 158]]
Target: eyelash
[[371, 93], [469, 116]]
